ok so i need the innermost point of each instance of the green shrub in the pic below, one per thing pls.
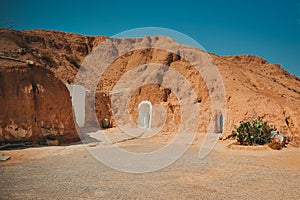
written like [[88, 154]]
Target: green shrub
[[256, 132]]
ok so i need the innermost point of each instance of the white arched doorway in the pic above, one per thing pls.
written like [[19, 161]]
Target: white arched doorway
[[219, 123], [144, 114]]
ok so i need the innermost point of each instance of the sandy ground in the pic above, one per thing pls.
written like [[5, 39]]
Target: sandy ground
[[70, 172]]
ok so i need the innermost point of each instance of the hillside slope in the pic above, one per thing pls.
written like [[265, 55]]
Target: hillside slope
[[253, 86]]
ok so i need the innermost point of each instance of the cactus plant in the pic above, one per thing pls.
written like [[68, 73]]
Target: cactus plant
[[255, 132]]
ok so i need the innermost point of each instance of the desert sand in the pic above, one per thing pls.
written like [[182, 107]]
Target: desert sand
[[71, 172]]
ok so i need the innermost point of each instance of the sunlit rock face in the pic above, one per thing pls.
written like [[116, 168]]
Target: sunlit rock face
[[254, 87], [35, 106]]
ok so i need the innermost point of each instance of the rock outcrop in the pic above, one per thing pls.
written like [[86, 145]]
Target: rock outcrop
[[253, 86], [35, 106]]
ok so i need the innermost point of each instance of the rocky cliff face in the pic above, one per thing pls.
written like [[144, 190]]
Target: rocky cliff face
[[253, 86], [35, 106], [61, 53], [167, 106]]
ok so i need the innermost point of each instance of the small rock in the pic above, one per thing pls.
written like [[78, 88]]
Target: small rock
[[54, 142], [276, 145], [21, 51], [30, 62], [93, 144], [3, 157]]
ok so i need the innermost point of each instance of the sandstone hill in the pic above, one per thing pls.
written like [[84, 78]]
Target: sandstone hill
[[253, 86]]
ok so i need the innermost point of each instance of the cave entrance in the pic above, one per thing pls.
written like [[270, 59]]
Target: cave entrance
[[144, 114]]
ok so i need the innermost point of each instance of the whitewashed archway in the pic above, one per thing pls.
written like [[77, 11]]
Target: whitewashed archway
[[144, 114]]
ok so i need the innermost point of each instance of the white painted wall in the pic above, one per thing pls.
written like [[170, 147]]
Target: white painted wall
[[77, 94]]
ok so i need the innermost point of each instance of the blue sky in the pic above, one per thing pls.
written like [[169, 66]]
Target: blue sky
[[270, 29]]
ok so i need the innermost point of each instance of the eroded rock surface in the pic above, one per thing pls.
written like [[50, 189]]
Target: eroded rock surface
[[253, 86], [35, 106]]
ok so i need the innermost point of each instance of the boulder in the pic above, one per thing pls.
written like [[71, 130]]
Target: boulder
[[34, 105]]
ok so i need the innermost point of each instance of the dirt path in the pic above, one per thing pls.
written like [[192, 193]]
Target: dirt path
[[70, 172]]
